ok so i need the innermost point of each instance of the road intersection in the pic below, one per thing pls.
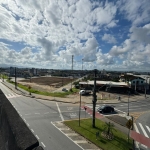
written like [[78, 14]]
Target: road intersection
[[40, 116]]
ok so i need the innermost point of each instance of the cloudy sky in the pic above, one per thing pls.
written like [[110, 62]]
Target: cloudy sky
[[104, 34]]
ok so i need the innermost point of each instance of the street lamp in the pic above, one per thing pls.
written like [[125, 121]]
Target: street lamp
[[128, 101], [82, 65], [145, 86], [72, 71], [80, 109]]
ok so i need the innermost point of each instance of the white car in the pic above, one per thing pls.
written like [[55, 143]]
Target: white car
[[82, 92]]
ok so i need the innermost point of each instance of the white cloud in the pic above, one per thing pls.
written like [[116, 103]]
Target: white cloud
[[89, 50], [136, 11], [109, 38], [59, 29], [104, 59], [141, 34]]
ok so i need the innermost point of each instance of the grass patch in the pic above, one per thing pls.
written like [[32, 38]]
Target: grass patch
[[120, 141], [55, 94]]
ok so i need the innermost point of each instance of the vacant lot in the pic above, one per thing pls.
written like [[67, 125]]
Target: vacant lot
[[48, 84]]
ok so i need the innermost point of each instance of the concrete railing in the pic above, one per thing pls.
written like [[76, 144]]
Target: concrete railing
[[14, 133]]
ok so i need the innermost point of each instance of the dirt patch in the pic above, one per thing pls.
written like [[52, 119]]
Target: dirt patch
[[47, 84]]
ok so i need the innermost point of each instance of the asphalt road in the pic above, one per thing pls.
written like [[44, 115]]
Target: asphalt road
[[136, 106], [39, 117]]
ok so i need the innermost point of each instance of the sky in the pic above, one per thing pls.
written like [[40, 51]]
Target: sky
[[99, 34]]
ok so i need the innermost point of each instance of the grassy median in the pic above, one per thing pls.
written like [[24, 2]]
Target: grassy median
[[120, 141]]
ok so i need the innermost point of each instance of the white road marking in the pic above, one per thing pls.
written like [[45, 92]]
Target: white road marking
[[25, 120], [28, 124], [46, 113], [69, 108], [62, 118], [120, 110], [43, 144], [148, 128], [144, 146], [37, 137], [73, 115], [143, 130], [27, 114], [32, 130], [81, 141], [136, 129], [37, 113]]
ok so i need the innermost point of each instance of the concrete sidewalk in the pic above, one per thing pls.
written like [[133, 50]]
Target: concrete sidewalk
[[71, 98]]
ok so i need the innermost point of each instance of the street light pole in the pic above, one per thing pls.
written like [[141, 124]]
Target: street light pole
[[94, 99], [80, 110], [72, 71], [82, 65], [128, 101], [15, 79], [145, 86]]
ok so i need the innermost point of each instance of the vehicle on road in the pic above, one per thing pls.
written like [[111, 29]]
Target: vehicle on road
[[65, 90], [105, 109], [84, 92]]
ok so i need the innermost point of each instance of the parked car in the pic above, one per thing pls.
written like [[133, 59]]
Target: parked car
[[65, 90], [105, 109], [84, 92]]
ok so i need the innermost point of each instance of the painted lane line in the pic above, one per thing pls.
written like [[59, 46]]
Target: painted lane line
[[46, 113], [81, 141], [24, 120], [144, 146], [136, 129], [28, 125], [143, 130], [43, 144], [120, 110], [32, 130], [148, 128], [37, 113], [27, 114], [59, 112], [37, 137]]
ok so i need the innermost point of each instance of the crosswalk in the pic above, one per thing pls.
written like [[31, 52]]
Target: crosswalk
[[142, 129], [12, 95]]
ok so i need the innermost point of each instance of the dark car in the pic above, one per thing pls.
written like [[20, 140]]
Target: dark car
[[105, 109]]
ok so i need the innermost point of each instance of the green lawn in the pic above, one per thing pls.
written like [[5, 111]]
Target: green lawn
[[120, 141], [55, 94]]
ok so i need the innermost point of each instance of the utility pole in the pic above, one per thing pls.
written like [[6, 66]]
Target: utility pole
[[94, 98], [135, 86], [82, 65], [15, 79], [145, 86], [72, 71], [128, 101], [80, 110]]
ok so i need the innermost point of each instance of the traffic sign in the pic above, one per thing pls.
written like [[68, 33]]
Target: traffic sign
[[129, 123]]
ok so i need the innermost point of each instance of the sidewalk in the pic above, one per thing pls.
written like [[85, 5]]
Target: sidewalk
[[71, 98]]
